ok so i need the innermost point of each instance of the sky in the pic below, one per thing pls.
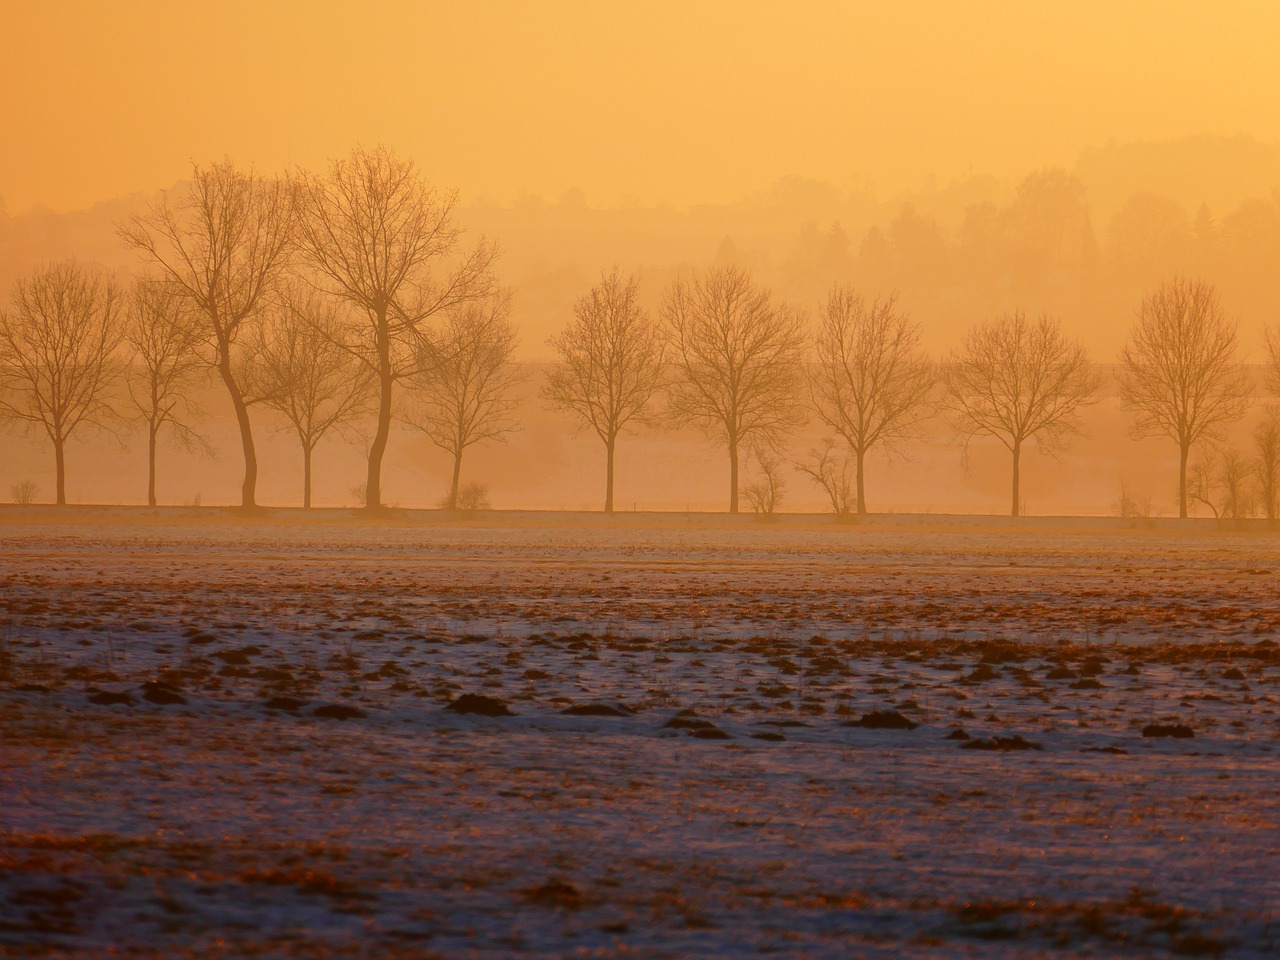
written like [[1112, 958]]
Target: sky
[[683, 103]]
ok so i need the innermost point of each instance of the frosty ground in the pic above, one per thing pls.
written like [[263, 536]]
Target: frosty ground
[[930, 737]]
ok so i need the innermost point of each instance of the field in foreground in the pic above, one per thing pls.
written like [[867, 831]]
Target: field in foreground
[[234, 740]]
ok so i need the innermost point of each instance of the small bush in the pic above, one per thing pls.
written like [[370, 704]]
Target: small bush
[[1131, 505], [472, 497], [24, 492], [765, 494]]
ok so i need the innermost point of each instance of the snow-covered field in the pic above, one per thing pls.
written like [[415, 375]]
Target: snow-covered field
[[727, 739]]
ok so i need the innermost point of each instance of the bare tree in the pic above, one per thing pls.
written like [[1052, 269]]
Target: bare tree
[[831, 473], [165, 340], [765, 493], [223, 245], [1220, 481], [1272, 335], [1181, 374], [1234, 475], [1266, 465], [1016, 381], [610, 365], [872, 383], [465, 394], [737, 357], [302, 369], [56, 349], [375, 231]]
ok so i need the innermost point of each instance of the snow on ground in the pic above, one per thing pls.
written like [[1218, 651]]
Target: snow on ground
[[173, 780]]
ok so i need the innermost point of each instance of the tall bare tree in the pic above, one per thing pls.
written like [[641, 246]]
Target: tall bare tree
[[872, 382], [223, 244], [56, 347], [1016, 381], [377, 234], [302, 369], [737, 358], [610, 364], [164, 336], [1266, 464], [1181, 373], [464, 395]]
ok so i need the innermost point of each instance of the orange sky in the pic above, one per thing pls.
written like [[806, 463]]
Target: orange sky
[[650, 101]]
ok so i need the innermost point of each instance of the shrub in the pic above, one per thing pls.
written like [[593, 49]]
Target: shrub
[[472, 497], [24, 491]]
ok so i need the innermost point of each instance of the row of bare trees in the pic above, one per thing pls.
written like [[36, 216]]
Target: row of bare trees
[[725, 357], [738, 374], [328, 297]]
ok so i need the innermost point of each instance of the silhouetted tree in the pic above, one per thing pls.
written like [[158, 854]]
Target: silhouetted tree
[[56, 346], [1181, 375], [1148, 232], [831, 473], [302, 369], [464, 396], [765, 493], [737, 359], [1266, 465], [610, 365], [872, 383], [1050, 221], [375, 232], [1219, 481], [1016, 380], [164, 336], [223, 244]]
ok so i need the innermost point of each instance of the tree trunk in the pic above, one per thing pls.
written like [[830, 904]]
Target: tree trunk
[[151, 464], [1184, 451], [457, 474], [860, 457], [733, 474], [608, 474], [249, 488], [1017, 457], [373, 484], [60, 471], [306, 475]]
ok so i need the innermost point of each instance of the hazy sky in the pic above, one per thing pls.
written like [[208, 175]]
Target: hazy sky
[[685, 102]]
